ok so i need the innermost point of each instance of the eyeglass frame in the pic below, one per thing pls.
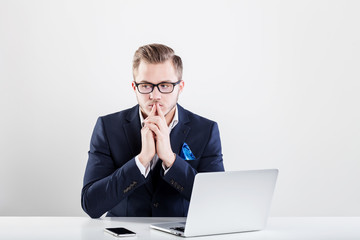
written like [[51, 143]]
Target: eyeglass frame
[[157, 86]]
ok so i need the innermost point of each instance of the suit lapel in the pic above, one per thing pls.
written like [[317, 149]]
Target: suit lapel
[[132, 130], [180, 132]]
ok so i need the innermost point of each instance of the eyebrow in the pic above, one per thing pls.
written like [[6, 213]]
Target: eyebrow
[[165, 81]]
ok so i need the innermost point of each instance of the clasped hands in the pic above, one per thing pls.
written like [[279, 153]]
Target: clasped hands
[[155, 139]]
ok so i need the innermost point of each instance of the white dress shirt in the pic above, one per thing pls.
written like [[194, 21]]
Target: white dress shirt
[[145, 170]]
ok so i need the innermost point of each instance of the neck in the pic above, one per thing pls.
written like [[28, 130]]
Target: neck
[[170, 115]]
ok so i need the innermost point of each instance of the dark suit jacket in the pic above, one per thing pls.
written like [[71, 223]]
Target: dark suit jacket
[[113, 183]]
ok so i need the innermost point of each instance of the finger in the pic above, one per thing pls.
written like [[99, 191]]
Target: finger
[[153, 111], [160, 112], [154, 128], [157, 120], [147, 133], [145, 130]]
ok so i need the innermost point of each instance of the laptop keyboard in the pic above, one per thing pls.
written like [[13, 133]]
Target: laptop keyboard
[[180, 229]]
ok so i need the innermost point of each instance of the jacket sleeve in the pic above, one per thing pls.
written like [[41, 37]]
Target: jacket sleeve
[[181, 174], [105, 185]]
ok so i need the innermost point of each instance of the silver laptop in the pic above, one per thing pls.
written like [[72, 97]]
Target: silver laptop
[[226, 202]]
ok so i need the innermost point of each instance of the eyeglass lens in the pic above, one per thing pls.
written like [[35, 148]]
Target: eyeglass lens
[[163, 87]]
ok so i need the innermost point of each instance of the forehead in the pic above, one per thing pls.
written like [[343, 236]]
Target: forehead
[[156, 72]]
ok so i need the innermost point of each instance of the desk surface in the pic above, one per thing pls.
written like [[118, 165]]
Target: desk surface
[[344, 228]]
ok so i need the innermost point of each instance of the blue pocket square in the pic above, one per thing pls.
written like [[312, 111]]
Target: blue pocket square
[[186, 153]]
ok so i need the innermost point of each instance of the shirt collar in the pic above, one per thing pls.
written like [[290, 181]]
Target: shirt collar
[[172, 124]]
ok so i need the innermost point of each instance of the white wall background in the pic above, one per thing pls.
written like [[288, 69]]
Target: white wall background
[[280, 77]]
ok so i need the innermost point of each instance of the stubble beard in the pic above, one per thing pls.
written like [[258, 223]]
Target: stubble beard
[[155, 102]]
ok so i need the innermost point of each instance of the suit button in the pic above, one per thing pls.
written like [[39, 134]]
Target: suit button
[[156, 205]]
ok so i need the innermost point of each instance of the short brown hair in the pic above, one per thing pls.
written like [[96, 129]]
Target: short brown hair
[[157, 53]]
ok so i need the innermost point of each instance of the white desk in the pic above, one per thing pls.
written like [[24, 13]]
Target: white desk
[[68, 228]]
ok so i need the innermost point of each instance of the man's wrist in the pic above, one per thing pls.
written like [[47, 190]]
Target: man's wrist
[[143, 169], [143, 161], [171, 161]]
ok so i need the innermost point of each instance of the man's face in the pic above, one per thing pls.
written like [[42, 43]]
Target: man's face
[[157, 73]]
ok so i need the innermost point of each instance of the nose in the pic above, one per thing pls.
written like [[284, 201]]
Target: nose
[[155, 94]]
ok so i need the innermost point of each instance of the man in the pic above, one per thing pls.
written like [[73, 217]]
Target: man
[[143, 160]]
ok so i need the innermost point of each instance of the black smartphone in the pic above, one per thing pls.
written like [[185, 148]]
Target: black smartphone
[[120, 232]]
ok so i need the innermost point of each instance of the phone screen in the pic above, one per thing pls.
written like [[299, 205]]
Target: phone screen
[[120, 231]]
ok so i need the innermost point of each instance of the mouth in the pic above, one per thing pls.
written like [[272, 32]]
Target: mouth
[[152, 104]]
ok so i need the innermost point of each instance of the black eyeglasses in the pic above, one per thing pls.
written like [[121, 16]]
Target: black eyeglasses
[[163, 87]]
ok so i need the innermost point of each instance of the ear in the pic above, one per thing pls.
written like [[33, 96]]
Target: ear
[[181, 86], [133, 86]]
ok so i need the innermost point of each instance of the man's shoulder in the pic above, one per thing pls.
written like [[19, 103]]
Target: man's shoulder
[[128, 114], [194, 118]]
